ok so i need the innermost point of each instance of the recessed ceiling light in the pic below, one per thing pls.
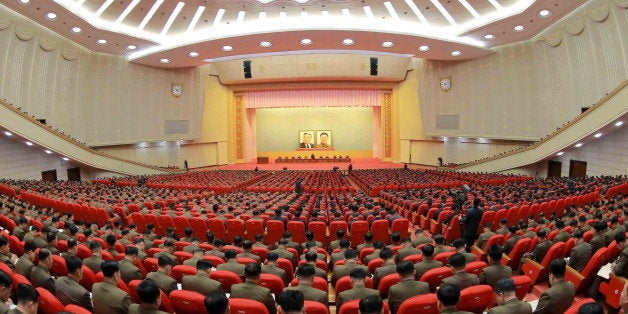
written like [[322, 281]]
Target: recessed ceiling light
[[560, 153], [66, 158], [424, 48], [29, 143], [164, 60], [597, 135], [579, 145], [226, 48], [48, 151], [545, 13], [388, 44], [518, 28], [479, 138], [619, 123], [265, 44], [306, 41], [24, 1], [76, 30], [489, 36], [194, 54], [131, 47], [456, 53], [51, 16], [101, 42], [348, 42], [7, 133]]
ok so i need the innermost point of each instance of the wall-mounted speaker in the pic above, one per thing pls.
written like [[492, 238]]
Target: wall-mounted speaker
[[247, 69], [374, 63]]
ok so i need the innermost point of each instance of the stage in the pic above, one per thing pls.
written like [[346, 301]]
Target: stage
[[358, 163]]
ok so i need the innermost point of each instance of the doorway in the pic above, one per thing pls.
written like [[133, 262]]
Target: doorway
[[74, 174], [49, 175], [577, 168], [554, 169]]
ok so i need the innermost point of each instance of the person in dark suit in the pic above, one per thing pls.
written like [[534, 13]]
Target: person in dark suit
[[496, 271], [407, 287], [201, 282], [106, 296], [67, 288], [306, 141], [560, 295], [161, 276], [581, 252], [428, 261], [305, 275], [216, 302], [447, 298], [471, 221], [507, 299], [27, 300], [460, 278], [150, 298], [357, 291], [251, 290], [40, 276]]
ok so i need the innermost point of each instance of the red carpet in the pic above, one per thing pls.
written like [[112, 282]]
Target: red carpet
[[358, 163]]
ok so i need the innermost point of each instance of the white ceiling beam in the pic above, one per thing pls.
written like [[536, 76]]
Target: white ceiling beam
[[104, 7], [391, 10], [444, 12], [469, 8], [368, 12], [416, 11], [197, 16], [240, 17], [150, 14], [218, 18], [496, 4], [127, 10], [172, 17]]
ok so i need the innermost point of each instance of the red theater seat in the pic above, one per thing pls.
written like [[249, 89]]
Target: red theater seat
[[353, 307], [75, 309], [247, 306], [226, 279], [183, 301], [48, 303], [272, 282], [424, 304], [435, 276], [181, 270], [475, 299]]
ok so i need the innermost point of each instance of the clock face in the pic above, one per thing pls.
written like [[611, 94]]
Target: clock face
[[177, 90], [445, 84]]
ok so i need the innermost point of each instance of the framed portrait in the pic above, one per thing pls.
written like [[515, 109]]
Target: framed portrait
[[323, 139], [306, 139]]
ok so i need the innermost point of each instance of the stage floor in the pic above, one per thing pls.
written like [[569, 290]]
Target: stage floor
[[358, 163]]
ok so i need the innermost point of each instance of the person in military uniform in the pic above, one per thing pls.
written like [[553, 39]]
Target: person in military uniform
[[460, 246], [24, 264], [5, 253], [560, 295], [106, 296], [40, 275], [281, 250], [358, 290], [272, 268], [197, 255], [5, 291], [311, 258], [581, 252], [420, 238], [305, 275], [216, 303], [68, 289], [507, 299], [460, 278], [621, 264], [201, 282], [168, 250], [447, 298], [512, 240], [128, 268], [407, 287], [93, 262], [232, 264], [72, 249], [351, 257], [247, 245], [389, 266], [150, 298], [27, 299], [496, 271], [251, 290], [161, 276], [291, 302], [428, 261]]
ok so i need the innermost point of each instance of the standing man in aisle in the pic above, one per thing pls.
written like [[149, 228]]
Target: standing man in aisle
[[470, 222]]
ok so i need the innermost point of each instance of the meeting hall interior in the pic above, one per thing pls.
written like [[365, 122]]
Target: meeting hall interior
[[313, 156]]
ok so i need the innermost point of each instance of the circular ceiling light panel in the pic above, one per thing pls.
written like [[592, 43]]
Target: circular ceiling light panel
[[306, 41], [193, 54], [489, 36], [24, 2], [101, 42], [545, 13], [265, 44], [227, 48], [456, 53], [519, 28], [76, 30], [388, 44], [164, 60], [51, 16], [348, 42], [131, 47], [424, 48]]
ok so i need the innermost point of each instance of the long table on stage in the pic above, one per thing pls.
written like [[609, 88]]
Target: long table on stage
[[297, 159]]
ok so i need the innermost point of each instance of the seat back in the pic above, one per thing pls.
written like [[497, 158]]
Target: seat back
[[475, 299], [183, 301], [58, 268], [358, 229], [435, 276], [235, 227], [180, 223], [522, 285], [75, 309], [253, 227], [318, 283], [286, 265], [574, 308], [89, 278], [344, 283], [272, 282], [165, 222], [274, 231], [320, 231], [424, 304], [374, 264], [475, 268], [199, 226], [218, 228], [414, 258], [496, 239], [366, 252], [335, 226], [247, 306], [443, 257], [297, 228], [379, 228], [521, 247], [312, 307], [215, 260], [150, 264], [556, 251], [181, 270], [401, 226], [182, 256], [226, 279], [83, 251], [387, 282], [18, 279], [353, 307], [48, 303], [133, 290]]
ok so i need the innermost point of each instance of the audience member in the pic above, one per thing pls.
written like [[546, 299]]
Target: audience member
[[106, 296], [251, 290], [560, 295], [201, 282]]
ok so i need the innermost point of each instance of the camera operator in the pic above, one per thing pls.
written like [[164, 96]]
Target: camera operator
[[470, 223]]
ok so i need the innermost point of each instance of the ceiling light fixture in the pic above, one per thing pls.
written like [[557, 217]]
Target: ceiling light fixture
[[597, 135], [76, 30], [619, 123], [456, 53], [51, 16], [226, 48], [545, 13], [424, 48], [131, 47], [29, 143], [7, 133], [101, 42], [560, 153], [348, 42], [24, 2], [518, 28], [306, 41], [66, 158], [579, 145], [193, 54], [164, 60], [489, 36], [388, 44], [48, 151], [265, 44]]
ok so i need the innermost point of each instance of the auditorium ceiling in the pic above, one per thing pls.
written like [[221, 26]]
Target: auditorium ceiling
[[171, 33]]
